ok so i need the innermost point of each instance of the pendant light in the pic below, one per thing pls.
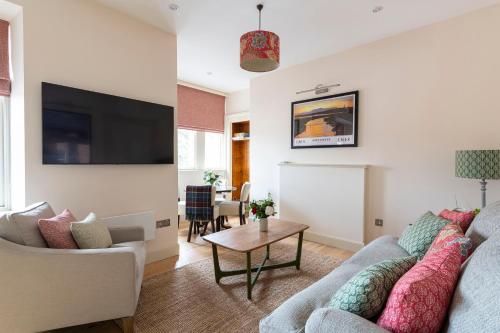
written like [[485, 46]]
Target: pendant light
[[260, 49]]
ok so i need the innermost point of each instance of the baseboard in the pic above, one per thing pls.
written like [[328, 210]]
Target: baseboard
[[162, 254], [333, 241]]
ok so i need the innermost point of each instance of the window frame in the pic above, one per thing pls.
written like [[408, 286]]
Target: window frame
[[5, 152], [199, 150]]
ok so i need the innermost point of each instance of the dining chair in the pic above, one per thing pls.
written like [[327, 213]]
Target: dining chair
[[236, 208], [200, 208]]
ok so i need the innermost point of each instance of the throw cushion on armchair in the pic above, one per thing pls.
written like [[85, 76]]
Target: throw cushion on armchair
[[26, 223], [56, 231], [418, 237], [91, 233], [365, 294]]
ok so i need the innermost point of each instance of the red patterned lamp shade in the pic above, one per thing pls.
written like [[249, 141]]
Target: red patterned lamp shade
[[260, 49]]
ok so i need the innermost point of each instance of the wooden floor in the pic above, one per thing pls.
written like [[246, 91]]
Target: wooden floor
[[191, 252]]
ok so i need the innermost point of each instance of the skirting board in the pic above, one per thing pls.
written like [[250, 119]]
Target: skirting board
[[162, 254], [333, 241]]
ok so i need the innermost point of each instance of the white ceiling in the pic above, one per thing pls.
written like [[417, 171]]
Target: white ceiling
[[208, 31]]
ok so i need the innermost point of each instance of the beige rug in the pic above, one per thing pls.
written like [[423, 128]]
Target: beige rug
[[189, 300]]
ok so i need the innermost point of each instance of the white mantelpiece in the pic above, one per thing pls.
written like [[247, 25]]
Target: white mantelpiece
[[330, 198]]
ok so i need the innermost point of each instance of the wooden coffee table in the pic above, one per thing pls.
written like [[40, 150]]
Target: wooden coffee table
[[247, 238]]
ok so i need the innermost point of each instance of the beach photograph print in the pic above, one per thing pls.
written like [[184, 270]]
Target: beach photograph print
[[329, 121]]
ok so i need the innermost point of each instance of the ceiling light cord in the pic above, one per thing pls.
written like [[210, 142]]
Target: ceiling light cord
[[259, 7]]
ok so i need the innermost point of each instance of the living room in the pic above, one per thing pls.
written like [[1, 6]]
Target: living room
[[337, 174]]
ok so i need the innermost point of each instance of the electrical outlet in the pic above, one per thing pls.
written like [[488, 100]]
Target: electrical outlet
[[162, 223], [379, 222]]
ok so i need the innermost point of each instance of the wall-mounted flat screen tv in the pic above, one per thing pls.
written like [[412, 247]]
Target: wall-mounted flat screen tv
[[86, 127]]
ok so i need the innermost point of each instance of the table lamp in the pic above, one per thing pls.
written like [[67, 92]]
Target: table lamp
[[478, 164]]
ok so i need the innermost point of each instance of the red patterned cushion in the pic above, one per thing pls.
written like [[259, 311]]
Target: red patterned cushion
[[56, 231], [419, 300], [451, 234], [464, 219]]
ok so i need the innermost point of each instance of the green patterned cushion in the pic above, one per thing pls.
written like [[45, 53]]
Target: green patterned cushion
[[418, 237], [365, 294]]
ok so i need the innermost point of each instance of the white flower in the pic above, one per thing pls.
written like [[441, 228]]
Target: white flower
[[269, 210]]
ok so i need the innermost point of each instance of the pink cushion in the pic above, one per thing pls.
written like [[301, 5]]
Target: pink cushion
[[56, 231], [464, 219], [451, 234], [419, 300]]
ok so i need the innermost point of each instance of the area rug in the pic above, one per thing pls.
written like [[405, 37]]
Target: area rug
[[189, 300]]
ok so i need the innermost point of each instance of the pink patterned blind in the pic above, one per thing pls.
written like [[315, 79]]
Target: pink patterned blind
[[4, 59], [200, 110]]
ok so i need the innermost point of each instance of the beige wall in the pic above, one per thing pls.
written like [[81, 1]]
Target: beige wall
[[423, 95], [82, 44], [238, 101]]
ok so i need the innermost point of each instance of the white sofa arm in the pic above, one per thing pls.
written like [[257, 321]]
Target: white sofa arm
[[45, 288]]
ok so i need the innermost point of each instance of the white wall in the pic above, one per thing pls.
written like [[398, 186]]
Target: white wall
[[238, 101], [82, 44], [423, 95]]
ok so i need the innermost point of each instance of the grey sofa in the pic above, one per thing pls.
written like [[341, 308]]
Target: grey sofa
[[43, 289], [475, 306]]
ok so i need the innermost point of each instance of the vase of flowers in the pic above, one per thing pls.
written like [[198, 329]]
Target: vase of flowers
[[262, 209], [211, 178]]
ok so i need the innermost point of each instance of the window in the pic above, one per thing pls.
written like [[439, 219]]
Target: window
[[4, 154], [200, 150], [187, 148], [214, 148]]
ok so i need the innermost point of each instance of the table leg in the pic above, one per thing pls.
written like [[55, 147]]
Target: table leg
[[268, 251], [249, 275], [299, 250], [217, 271]]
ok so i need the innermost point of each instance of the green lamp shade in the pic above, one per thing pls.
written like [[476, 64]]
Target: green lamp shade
[[477, 164]]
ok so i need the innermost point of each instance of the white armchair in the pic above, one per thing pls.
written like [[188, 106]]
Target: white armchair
[[44, 289]]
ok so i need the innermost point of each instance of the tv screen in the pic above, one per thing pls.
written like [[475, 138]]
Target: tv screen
[[85, 127]]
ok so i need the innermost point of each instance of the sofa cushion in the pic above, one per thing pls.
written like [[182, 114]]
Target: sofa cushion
[[365, 294], [419, 300], [486, 223], [9, 231], [26, 222], [91, 233], [292, 315], [328, 320], [382, 248], [463, 219], [418, 237], [56, 231], [474, 307]]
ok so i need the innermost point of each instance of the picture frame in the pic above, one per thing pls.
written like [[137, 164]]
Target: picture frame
[[325, 122]]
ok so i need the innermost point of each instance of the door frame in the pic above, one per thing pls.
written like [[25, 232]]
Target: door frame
[[228, 124]]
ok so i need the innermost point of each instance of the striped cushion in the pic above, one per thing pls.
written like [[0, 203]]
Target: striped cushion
[[199, 203]]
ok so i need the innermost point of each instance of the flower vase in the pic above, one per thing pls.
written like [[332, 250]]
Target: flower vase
[[263, 225]]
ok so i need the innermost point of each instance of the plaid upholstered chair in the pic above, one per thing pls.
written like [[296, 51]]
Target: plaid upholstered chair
[[200, 208]]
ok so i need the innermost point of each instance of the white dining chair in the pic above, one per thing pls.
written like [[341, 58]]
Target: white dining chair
[[236, 208]]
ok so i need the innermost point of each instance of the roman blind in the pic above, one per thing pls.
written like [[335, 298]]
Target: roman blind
[[4, 59], [200, 110]]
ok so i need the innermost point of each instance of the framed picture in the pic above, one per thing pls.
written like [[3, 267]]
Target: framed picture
[[330, 121]]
